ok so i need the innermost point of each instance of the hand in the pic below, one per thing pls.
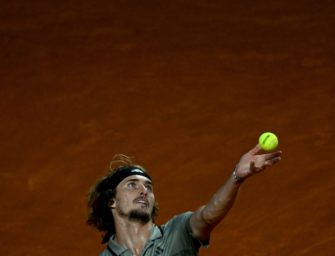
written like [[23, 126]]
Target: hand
[[251, 163]]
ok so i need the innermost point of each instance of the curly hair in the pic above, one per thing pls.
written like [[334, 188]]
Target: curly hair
[[100, 195]]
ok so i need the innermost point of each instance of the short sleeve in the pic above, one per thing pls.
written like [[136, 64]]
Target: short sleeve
[[180, 233]]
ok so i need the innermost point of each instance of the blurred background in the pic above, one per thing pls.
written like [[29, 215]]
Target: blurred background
[[185, 87]]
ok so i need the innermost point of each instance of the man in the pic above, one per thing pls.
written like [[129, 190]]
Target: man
[[123, 207]]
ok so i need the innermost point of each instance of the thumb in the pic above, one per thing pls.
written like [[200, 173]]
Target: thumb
[[255, 150]]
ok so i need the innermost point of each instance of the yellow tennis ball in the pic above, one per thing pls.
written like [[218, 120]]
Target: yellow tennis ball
[[268, 141]]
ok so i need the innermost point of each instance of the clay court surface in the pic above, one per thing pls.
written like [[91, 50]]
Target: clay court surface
[[185, 87]]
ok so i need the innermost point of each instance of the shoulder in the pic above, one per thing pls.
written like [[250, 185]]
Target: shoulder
[[180, 219], [104, 253], [178, 231], [179, 224]]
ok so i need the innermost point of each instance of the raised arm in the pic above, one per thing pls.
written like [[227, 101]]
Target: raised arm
[[208, 216]]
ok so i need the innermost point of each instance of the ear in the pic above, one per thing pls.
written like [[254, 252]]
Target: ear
[[112, 203]]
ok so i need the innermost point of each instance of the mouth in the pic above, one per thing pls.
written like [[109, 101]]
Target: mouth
[[142, 201]]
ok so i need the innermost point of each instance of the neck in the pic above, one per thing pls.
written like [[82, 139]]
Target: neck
[[132, 234]]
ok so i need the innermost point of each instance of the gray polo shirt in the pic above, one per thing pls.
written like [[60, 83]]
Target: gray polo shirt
[[174, 238]]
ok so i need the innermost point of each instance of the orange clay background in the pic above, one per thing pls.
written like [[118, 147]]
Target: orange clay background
[[186, 87]]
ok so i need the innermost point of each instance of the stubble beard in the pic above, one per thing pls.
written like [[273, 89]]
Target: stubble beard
[[136, 215]]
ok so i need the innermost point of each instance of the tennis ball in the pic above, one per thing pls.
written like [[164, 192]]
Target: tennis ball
[[268, 141]]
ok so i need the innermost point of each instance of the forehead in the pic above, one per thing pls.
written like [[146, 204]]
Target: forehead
[[139, 178]]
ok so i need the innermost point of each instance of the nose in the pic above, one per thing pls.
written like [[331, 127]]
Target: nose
[[143, 190]]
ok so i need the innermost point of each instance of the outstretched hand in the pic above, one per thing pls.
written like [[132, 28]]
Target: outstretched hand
[[252, 162]]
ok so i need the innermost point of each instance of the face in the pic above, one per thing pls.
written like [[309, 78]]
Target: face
[[134, 199]]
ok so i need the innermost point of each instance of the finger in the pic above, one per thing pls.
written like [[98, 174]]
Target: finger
[[272, 161], [272, 155], [255, 150]]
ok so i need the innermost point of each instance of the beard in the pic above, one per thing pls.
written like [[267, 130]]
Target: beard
[[136, 215]]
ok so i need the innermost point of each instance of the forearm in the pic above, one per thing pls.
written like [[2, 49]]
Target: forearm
[[209, 215], [221, 202]]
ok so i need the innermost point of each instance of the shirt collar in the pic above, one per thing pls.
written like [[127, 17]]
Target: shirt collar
[[157, 232]]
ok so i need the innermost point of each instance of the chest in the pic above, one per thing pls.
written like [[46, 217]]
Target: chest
[[164, 246]]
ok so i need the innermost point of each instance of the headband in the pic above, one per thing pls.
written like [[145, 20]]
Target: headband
[[123, 173]]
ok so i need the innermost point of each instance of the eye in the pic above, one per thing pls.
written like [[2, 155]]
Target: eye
[[132, 185], [149, 187]]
